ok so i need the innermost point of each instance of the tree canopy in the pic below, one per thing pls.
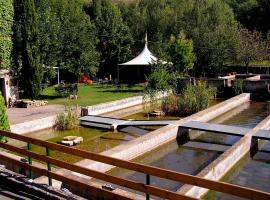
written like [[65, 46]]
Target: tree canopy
[[6, 23], [115, 38]]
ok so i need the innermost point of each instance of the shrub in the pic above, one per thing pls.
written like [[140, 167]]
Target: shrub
[[170, 104], [192, 100], [64, 90], [66, 121], [150, 102], [238, 86], [4, 123], [196, 98]]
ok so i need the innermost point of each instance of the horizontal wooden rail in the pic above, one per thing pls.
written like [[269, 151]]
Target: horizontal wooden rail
[[99, 175], [154, 171], [90, 188]]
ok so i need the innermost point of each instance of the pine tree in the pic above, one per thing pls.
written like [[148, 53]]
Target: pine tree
[[31, 59], [4, 123]]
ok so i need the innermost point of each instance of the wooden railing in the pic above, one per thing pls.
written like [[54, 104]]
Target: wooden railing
[[141, 187]]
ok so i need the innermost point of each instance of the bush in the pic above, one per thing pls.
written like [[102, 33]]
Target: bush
[[64, 90], [66, 121], [196, 98], [4, 123], [170, 104], [150, 102], [238, 86], [192, 100]]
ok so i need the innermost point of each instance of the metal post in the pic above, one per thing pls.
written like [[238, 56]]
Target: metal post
[[147, 183], [58, 76], [49, 166], [29, 148]]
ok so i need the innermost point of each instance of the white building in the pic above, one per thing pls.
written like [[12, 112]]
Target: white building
[[7, 86]]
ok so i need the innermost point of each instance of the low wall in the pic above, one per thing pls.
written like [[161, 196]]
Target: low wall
[[154, 139], [225, 162], [48, 122], [35, 125], [112, 106]]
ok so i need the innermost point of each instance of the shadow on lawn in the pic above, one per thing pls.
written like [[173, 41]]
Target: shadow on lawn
[[51, 97]]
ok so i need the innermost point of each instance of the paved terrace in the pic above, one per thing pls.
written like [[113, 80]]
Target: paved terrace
[[20, 115]]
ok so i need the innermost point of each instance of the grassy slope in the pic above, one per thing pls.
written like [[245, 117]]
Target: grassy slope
[[91, 95]]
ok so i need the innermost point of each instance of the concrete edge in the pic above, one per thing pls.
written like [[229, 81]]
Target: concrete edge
[[225, 162], [159, 137]]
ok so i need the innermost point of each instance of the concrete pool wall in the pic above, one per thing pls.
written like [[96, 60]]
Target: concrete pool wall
[[48, 122], [158, 137], [225, 162]]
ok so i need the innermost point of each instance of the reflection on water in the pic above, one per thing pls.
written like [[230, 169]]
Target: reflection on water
[[172, 157], [191, 161], [253, 113], [94, 140], [251, 172]]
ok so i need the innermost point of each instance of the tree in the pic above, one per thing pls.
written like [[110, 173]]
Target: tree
[[210, 24], [68, 37], [161, 79], [29, 57], [4, 123], [181, 52], [250, 47], [6, 22], [114, 35]]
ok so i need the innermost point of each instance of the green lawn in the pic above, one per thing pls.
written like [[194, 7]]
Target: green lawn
[[93, 94]]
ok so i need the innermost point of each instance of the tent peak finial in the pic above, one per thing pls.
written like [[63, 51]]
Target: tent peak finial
[[146, 39]]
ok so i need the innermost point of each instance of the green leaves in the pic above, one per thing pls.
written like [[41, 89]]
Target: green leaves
[[114, 35], [4, 123], [6, 23], [71, 40], [181, 52]]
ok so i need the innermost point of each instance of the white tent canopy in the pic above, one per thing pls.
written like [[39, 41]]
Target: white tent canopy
[[144, 58]]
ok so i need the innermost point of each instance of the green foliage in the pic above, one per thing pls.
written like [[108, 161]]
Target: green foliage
[[250, 47], [66, 121], [64, 90], [210, 24], [196, 98], [238, 86], [181, 52], [68, 37], [150, 101], [161, 78], [115, 37], [192, 100], [6, 23], [160, 82], [170, 104], [28, 56], [4, 123], [252, 14]]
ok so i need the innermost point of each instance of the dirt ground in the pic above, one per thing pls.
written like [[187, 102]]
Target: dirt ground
[[20, 115]]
